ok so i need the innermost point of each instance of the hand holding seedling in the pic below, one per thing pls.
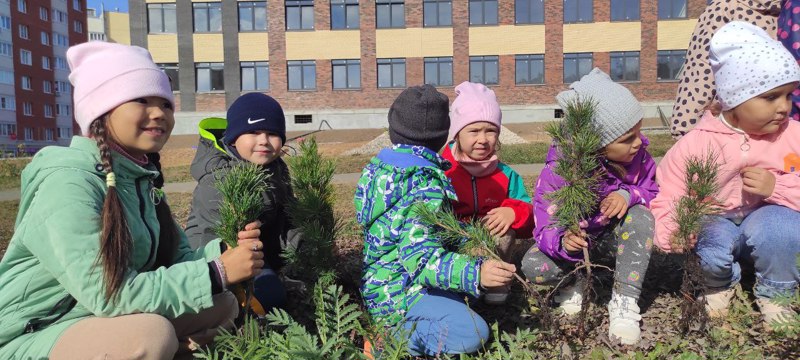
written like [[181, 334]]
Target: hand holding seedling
[[245, 260], [692, 242], [573, 242], [499, 220], [758, 181], [614, 205], [496, 273]]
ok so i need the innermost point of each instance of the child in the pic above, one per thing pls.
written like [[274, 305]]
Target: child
[[408, 277], [97, 267], [622, 225], [486, 188], [255, 131], [758, 160]]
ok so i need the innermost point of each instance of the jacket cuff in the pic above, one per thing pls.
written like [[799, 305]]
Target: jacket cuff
[[625, 194]]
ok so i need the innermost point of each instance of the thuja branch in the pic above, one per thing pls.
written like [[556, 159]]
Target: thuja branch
[[700, 201]]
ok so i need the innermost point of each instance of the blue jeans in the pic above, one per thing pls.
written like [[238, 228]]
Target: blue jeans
[[441, 323], [269, 290], [769, 237]]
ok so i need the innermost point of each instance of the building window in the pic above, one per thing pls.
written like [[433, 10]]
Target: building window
[[670, 64], [47, 87], [61, 63], [60, 16], [8, 103], [46, 63], [28, 134], [209, 77], [391, 73], [390, 14], [60, 40], [255, 75], [64, 133], [437, 13], [26, 82], [23, 31], [22, 6], [253, 16], [62, 110], [344, 14], [25, 57], [76, 5], [5, 22], [671, 9], [346, 74], [48, 111], [578, 11], [302, 74], [483, 12], [207, 16], [624, 10], [44, 14], [529, 11], [299, 14], [62, 87], [6, 49], [27, 108], [7, 129], [77, 26], [576, 65], [45, 37], [171, 69], [48, 133], [529, 69], [97, 36], [484, 70], [625, 66], [6, 77], [439, 71], [161, 18]]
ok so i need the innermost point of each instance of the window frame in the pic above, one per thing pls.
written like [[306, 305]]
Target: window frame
[[23, 54], [528, 59], [391, 63], [208, 8], [27, 108], [253, 5], [483, 61], [483, 12], [212, 67], [670, 54], [346, 6], [255, 65], [44, 13], [22, 6], [578, 8], [625, 56], [439, 61], [531, 12], [300, 5], [23, 32], [162, 9], [390, 6], [26, 83], [626, 8], [349, 65], [577, 57], [302, 65], [439, 5], [168, 68], [672, 9]]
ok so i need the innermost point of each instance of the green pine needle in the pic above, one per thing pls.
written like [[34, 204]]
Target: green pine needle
[[700, 199], [469, 238], [242, 188]]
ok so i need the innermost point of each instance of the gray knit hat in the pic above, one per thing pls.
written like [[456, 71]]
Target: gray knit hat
[[617, 109], [419, 116]]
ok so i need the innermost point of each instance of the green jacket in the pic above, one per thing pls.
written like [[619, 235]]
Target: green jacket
[[51, 259]]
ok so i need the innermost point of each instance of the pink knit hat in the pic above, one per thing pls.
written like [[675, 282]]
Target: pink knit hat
[[474, 102], [106, 75]]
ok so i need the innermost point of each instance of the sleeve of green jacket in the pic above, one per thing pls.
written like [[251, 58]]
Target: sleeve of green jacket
[[423, 256], [185, 253], [64, 226]]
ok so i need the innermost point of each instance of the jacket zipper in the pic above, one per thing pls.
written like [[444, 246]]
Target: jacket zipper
[[149, 230], [475, 198], [67, 303]]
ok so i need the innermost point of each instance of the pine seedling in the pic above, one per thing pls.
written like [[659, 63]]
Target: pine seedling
[[578, 143], [692, 209]]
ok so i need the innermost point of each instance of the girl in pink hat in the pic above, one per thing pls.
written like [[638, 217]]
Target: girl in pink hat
[[486, 188], [97, 267]]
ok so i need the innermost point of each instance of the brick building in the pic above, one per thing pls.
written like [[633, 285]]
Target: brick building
[[344, 61]]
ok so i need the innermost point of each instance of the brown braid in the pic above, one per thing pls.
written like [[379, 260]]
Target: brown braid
[[116, 245]]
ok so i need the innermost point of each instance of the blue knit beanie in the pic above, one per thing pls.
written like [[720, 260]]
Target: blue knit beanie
[[254, 111]]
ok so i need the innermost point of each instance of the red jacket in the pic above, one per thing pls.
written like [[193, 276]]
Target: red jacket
[[502, 188]]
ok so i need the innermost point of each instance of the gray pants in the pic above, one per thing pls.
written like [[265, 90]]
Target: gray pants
[[631, 240]]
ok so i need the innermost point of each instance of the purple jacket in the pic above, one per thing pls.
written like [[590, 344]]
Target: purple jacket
[[639, 187]]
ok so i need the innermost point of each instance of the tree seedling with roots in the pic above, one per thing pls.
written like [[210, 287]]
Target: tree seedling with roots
[[690, 212], [242, 188], [578, 143]]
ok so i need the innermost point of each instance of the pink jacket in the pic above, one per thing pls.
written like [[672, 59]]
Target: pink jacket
[[777, 153]]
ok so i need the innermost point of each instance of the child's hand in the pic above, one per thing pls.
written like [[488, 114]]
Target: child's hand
[[573, 242], [499, 220], [252, 231], [244, 261], [495, 273], [679, 249], [614, 205], [758, 181]]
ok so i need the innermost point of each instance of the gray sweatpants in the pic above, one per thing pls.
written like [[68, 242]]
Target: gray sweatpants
[[630, 239]]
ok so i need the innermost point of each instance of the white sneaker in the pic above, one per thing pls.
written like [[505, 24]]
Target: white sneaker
[[772, 312], [570, 298], [718, 301], [624, 318]]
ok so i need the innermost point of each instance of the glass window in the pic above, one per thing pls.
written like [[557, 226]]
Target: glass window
[[46, 63], [578, 11], [255, 75], [625, 66], [23, 31], [6, 77], [8, 103], [346, 74], [302, 74], [344, 14], [390, 14], [437, 13], [77, 26], [26, 82], [483, 12], [209, 77], [47, 87], [45, 37], [22, 6], [671, 9], [529, 69], [25, 57], [253, 16], [44, 14], [391, 73], [670, 64], [6, 49], [576, 65], [161, 18], [76, 5], [625, 10], [171, 69], [484, 70], [27, 109], [529, 11], [5, 22], [207, 16], [299, 14], [48, 112], [439, 71]]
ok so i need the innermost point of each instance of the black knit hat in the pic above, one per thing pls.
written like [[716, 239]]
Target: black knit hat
[[420, 116], [254, 111]]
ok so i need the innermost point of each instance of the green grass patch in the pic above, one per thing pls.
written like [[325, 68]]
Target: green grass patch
[[659, 144], [175, 174], [8, 214]]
